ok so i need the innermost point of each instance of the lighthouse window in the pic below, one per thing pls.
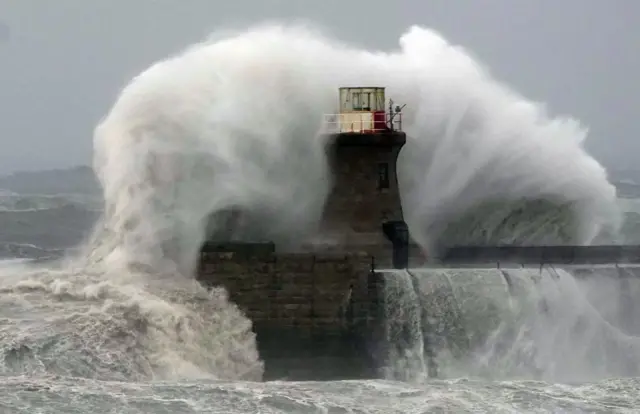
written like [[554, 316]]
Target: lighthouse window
[[355, 101], [383, 175], [365, 101], [361, 101], [379, 102]]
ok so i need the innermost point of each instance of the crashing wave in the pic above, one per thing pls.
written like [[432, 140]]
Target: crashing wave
[[236, 122]]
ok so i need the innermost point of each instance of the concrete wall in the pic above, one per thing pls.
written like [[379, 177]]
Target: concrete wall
[[316, 316], [538, 255]]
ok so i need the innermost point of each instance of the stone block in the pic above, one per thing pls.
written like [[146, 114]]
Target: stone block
[[296, 263], [331, 257]]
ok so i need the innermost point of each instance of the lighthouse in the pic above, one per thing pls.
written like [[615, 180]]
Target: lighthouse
[[363, 211], [324, 302]]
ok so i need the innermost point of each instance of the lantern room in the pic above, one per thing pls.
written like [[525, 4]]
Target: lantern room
[[362, 100], [362, 111]]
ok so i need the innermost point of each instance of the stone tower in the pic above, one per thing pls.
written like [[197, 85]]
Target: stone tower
[[365, 190]]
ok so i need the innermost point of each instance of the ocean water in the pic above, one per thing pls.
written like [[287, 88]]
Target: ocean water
[[100, 311]]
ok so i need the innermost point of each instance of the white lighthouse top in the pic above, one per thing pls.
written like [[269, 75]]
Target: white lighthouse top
[[362, 99], [363, 110]]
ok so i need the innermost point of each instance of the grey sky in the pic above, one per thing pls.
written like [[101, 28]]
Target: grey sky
[[63, 62]]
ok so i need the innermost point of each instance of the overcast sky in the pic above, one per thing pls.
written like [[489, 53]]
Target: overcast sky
[[62, 62]]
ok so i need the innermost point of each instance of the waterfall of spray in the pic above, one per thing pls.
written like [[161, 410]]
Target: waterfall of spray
[[236, 123], [406, 354], [515, 324]]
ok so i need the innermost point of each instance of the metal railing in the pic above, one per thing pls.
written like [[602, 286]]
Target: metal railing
[[360, 122]]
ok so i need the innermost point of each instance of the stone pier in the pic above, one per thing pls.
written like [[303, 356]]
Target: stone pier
[[316, 316]]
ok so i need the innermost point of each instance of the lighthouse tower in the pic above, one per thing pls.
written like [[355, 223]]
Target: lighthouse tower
[[363, 211]]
